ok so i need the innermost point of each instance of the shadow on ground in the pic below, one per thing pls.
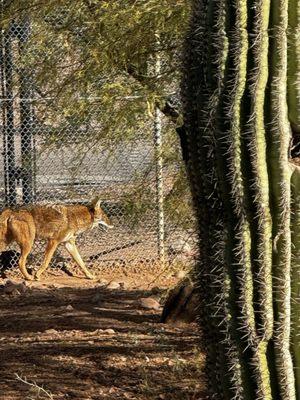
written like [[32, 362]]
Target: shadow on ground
[[91, 343]]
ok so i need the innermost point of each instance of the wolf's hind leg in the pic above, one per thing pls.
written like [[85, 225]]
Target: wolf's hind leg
[[73, 251], [3, 245], [3, 231], [50, 249], [23, 234]]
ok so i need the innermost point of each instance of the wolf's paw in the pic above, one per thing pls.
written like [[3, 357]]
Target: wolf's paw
[[37, 277], [90, 276], [29, 277]]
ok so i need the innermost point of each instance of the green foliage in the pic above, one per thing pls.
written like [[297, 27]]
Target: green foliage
[[92, 61]]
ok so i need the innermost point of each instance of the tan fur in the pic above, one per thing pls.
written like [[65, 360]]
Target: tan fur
[[55, 223]]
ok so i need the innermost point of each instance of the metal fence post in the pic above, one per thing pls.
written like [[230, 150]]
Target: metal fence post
[[26, 118], [8, 119], [159, 168]]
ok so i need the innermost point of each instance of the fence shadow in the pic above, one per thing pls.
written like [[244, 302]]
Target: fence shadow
[[81, 342]]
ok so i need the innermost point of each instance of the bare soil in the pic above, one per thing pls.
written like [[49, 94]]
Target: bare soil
[[79, 340]]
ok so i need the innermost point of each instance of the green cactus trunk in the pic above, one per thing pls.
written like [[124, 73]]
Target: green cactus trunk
[[240, 94]]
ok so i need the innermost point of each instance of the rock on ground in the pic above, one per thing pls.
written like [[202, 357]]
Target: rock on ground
[[149, 303], [181, 303], [113, 285]]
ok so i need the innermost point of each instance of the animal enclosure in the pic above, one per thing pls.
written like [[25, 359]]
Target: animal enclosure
[[59, 147]]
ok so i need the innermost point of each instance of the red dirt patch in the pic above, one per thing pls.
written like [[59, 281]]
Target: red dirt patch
[[55, 335]]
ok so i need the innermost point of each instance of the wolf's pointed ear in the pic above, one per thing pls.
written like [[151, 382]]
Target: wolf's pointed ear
[[96, 203]]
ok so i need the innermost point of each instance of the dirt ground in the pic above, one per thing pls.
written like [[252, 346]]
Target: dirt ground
[[78, 339]]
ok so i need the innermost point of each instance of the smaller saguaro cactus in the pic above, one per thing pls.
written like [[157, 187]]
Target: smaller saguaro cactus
[[241, 104]]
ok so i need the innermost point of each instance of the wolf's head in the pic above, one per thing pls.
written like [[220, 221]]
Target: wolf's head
[[100, 218]]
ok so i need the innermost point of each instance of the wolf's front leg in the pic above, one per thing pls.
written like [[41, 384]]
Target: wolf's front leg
[[25, 250], [73, 251]]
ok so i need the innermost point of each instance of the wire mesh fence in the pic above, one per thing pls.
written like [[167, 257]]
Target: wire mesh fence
[[57, 148]]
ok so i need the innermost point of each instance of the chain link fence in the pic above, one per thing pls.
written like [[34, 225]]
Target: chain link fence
[[56, 148]]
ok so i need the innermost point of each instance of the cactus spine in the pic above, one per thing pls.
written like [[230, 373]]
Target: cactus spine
[[240, 98]]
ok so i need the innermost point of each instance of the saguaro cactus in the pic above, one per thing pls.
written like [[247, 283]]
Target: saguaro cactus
[[241, 92]]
